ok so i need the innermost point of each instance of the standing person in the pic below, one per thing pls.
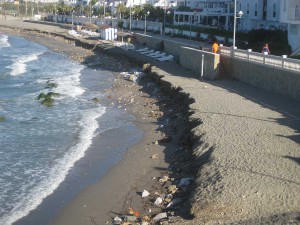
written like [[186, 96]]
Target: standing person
[[215, 47], [266, 49]]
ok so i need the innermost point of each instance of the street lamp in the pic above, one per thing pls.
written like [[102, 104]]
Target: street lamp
[[194, 14], [72, 19], [147, 14], [240, 14], [32, 13], [130, 17], [90, 11], [168, 12]]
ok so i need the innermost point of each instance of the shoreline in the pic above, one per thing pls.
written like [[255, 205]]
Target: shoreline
[[241, 148], [135, 167]]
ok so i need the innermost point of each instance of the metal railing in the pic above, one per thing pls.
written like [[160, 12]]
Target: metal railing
[[270, 60]]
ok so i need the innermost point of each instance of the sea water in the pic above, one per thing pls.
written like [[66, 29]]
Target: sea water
[[40, 145]]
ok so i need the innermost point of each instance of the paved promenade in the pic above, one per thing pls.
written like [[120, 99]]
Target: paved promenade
[[247, 147]]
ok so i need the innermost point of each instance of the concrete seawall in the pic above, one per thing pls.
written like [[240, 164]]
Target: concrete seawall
[[274, 79]]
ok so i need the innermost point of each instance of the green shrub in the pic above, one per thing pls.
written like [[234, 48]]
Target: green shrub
[[2, 118], [42, 95], [47, 99]]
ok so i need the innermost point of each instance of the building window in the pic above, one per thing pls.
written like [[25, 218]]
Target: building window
[[255, 8], [274, 10], [284, 5], [248, 8]]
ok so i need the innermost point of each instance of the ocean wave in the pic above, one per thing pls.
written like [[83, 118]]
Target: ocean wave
[[20, 63], [35, 193], [69, 84], [4, 43]]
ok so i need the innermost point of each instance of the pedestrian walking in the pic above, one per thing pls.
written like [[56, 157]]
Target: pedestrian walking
[[266, 50], [215, 47]]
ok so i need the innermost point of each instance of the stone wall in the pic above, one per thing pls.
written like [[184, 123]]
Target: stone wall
[[192, 59], [186, 56], [270, 78]]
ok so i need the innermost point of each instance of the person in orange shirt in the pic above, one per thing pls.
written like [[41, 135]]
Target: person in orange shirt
[[215, 47]]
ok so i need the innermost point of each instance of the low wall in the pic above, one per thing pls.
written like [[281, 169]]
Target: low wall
[[192, 59], [277, 80], [186, 56], [152, 42]]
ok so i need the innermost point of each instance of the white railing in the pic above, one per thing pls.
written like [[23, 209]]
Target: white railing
[[275, 61]]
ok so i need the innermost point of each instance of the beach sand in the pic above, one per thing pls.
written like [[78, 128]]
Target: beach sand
[[145, 162], [241, 146]]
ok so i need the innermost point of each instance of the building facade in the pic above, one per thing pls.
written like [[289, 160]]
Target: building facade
[[290, 15]]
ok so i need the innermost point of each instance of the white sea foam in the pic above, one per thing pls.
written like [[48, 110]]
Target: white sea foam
[[19, 65], [4, 42], [57, 174], [70, 84]]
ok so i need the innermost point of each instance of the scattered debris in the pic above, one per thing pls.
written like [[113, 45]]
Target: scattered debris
[[160, 216], [145, 194], [172, 189], [132, 76], [158, 201], [164, 179], [155, 156]]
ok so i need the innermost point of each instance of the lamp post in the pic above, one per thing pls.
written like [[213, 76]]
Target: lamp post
[[146, 14], [90, 11], [194, 13], [104, 9], [130, 17], [240, 14], [32, 13], [168, 12], [72, 19]]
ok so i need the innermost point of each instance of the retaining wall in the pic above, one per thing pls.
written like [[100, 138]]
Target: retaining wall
[[186, 56], [270, 78], [192, 59]]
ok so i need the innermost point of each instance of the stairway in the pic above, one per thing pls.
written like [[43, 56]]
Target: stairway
[[297, 52]]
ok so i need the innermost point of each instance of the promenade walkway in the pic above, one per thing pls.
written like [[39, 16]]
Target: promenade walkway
[[248, 152]]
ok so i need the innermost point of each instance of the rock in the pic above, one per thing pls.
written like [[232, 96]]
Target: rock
[[132, 78], [172, 189], [155, 156], [146, 68], [174, 202], [144, 223], [160, 216], [158, 201], [117, 220], [130, 218], [184, 182], [145, 194], [163, 179]]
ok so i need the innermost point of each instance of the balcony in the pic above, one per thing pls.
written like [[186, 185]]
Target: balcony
[[215, 10], [294, 14]]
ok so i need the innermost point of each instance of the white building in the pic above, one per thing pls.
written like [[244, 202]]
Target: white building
[[290, 15], [259, 14]]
